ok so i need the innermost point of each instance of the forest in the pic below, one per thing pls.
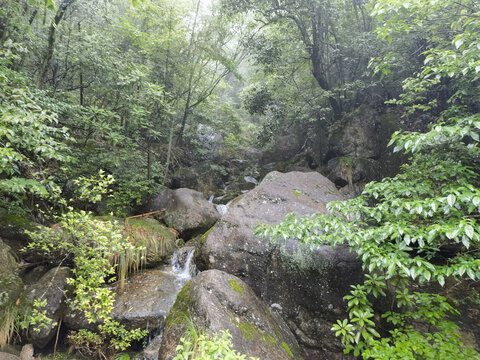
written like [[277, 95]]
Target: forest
[[239, 179]]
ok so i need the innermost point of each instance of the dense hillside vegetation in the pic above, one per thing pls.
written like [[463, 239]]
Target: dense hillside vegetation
[[104, 103]]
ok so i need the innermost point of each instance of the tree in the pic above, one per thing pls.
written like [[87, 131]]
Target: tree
[[421, 226], [30, 139], [324, 28]]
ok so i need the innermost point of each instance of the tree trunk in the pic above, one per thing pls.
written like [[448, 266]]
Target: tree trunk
[[323, 83], [47, 60]]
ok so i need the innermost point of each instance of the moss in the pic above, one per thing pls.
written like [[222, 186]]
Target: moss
[[181, 308], [296, 192], [269, 340], [248, 330], [236, 286], [204, 236], [287, 349], [155, 226], [15, 221]]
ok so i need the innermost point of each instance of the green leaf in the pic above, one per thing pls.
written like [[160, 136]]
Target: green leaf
[[50, 5], [469, 231], [451, 199]]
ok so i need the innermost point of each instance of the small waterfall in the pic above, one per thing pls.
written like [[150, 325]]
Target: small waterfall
[[183, 269], [223, 208], [250, 179], [182, 265]]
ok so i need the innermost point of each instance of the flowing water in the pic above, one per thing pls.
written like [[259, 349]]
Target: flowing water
[[183, 269]]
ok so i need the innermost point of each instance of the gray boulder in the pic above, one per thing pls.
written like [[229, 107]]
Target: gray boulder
[[216, 301], [146, 299], [356, 134], [52, 288], [357, 149], [10, 283], [306, 286], [186, 210], [7, 356], [348, 170], [143, 303]]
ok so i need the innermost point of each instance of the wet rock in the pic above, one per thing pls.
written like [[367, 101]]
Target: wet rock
[[146, 299], [144, 302], [7, 356], [186, 210], [27, 352], [348, 170], [284, 148], [288, 274], [10, 283], [217, 301], [52, 288]]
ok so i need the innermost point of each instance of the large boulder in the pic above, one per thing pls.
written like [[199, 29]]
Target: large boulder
[[144, 302], [307, 286], [357, 147], [185, 210], [51, 288], [10, 283], [146, 299], [216, 301], [285, 147], [356, 134]]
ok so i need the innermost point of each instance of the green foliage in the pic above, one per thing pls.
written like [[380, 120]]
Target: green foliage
[[29, 137], [90, 244], [203, 347], [37, 318]]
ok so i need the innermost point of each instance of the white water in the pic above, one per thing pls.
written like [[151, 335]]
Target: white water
[[251, 179], [183, 268], [223, 208]]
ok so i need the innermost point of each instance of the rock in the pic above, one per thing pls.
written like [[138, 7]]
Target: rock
[[204, 177], [217, 301], [288, 275], [284, 148], [10, 283], [186, 210], [7, 356], [358, 147], [146, 299], [143, 303], [356, 134], [348, 170], [12, 231], [352, 191], [27, 352], [210, 141], [52, 288]]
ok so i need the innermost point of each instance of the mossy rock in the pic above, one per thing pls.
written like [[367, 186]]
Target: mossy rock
[[215, 301], [12, 230], [159, 241]]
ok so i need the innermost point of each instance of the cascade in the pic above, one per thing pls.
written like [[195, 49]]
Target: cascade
[[183, 269]]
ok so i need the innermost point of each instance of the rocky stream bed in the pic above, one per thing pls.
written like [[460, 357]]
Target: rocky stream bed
[[277, 300]]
